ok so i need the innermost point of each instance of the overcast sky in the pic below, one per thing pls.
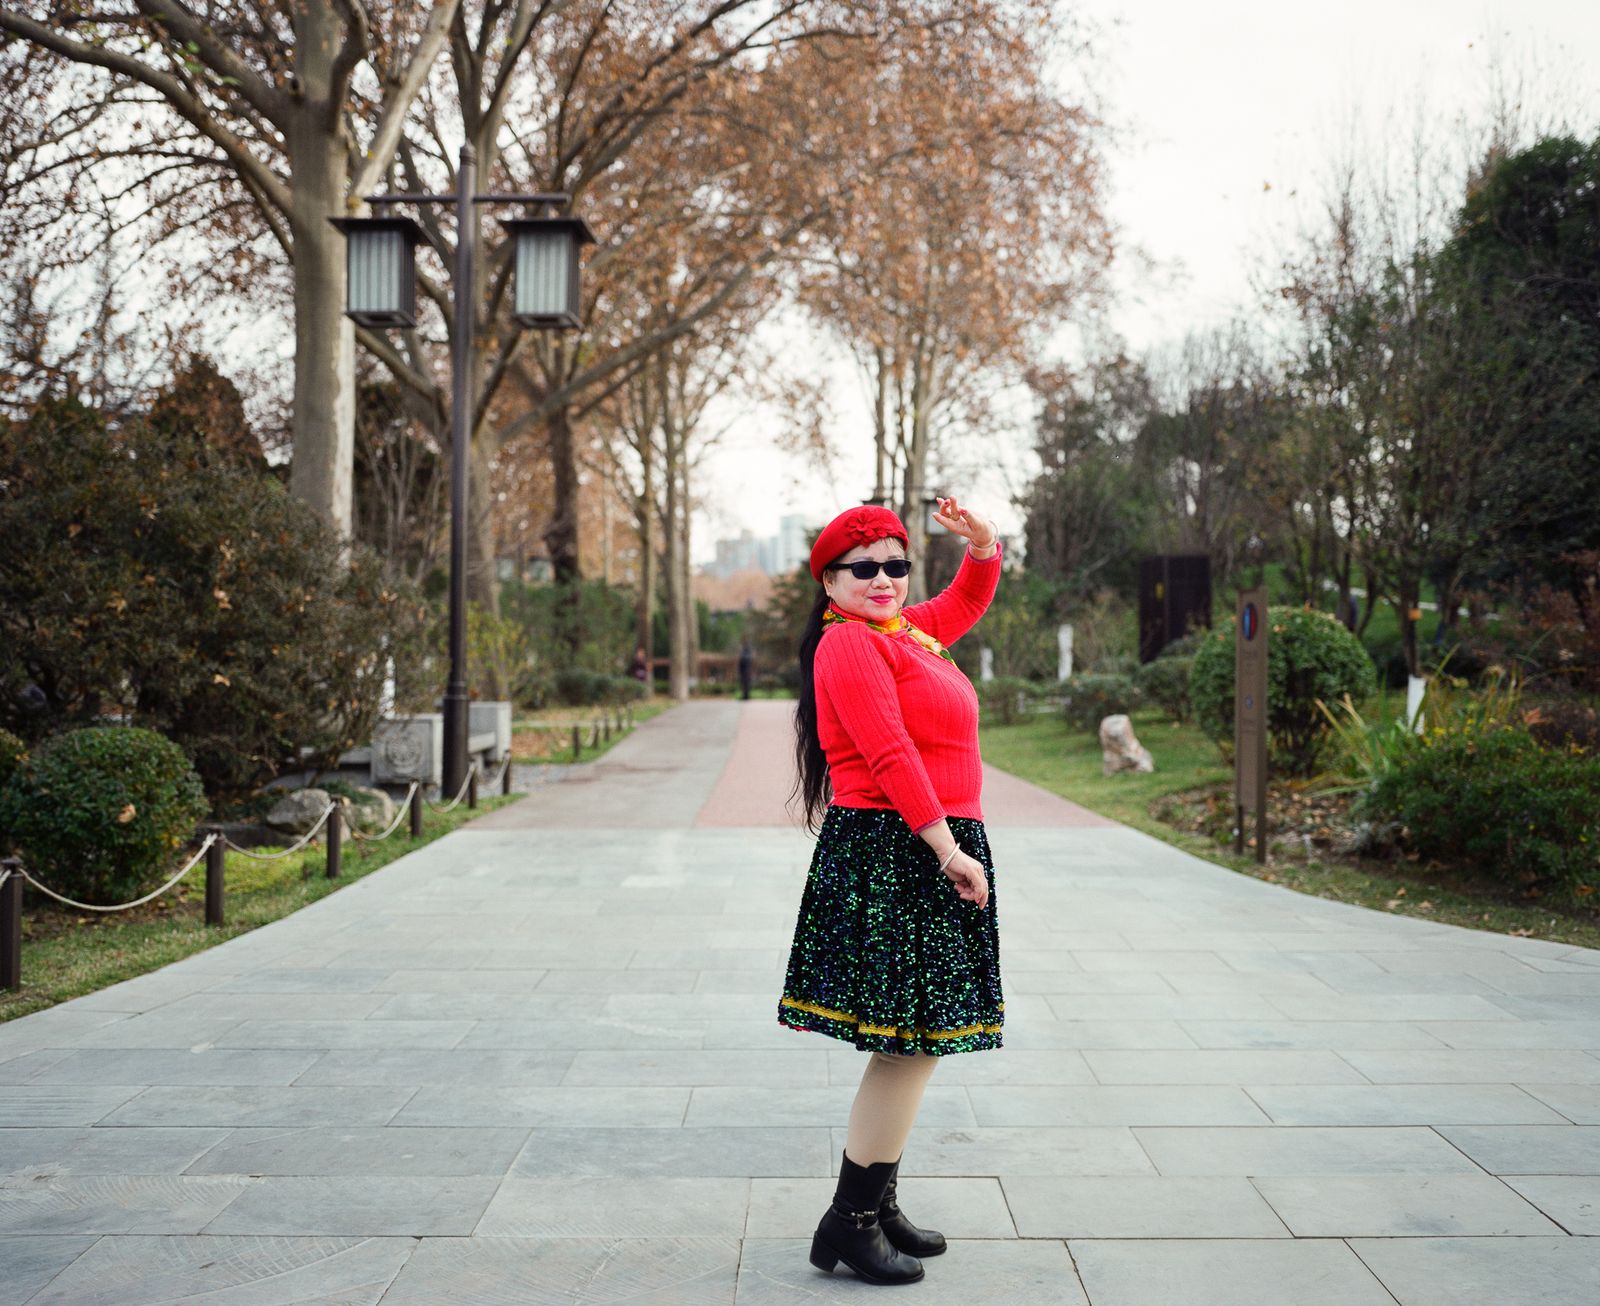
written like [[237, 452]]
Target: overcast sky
[[1229, 116]]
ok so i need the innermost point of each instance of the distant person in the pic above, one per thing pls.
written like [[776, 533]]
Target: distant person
[[640, 670], [747, 668], [896, 948]]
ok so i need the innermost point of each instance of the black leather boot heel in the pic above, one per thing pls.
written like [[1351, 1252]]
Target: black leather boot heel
[[905, 1236], [850, 1231]]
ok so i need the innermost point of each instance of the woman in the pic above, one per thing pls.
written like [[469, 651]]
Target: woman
[[896, 947]]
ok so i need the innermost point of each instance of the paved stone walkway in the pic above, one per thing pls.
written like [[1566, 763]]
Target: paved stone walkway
[[538, 1061]]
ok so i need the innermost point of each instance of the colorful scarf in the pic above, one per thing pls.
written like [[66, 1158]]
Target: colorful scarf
[[897, 627]]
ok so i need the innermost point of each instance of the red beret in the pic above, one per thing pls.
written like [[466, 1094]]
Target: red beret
[[855, 526]]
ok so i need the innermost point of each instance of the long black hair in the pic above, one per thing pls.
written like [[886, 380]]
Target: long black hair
[[811, 786]]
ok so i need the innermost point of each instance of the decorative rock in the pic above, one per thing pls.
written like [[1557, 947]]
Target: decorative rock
[[1122, 751], [298, 811], [371, 809]]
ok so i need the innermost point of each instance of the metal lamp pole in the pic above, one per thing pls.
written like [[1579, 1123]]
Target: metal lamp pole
[[381, 293], [461, 397]]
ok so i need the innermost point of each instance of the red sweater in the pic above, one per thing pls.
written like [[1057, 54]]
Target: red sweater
[[898, 723]]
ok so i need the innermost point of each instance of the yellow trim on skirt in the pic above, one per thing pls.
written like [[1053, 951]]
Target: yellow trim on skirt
[[892, 1031]]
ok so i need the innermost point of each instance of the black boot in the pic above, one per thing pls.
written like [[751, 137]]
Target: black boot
[[850, 1231], [900, 1231]]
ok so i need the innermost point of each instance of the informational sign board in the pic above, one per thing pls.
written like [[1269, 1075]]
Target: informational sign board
[[1250, 716]]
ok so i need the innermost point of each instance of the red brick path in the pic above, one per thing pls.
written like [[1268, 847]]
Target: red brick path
[[760, 770]]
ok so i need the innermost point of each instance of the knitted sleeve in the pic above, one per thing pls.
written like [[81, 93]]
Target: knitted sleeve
[[852, 668], [950, 615]]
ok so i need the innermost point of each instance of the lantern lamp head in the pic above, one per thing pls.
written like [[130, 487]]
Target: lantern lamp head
[[380, 270], [545, 292]]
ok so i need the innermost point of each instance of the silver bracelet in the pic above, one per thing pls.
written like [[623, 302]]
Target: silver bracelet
[[949, 857]]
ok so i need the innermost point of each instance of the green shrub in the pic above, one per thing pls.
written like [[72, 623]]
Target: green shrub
[[12, 751], [1004, 700], [1090, 699], [625, 689], [585, 624], [1498, 802], [149, 576], [1165, 682], [576, 687], [1311, 657], [97, 814], [1185, 646]]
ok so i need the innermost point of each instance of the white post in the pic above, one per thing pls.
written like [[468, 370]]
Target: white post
[[1415, 688], [985, 663], [386, 699], [1063, 652]]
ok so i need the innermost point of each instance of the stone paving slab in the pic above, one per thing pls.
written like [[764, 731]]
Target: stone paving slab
[[1505, 1271], [537, 1060], [239, 1271], [1228, 1272], [104, 1150], [356, 1206]]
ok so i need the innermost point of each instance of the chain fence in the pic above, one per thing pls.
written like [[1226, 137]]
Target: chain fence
[[212, 850]]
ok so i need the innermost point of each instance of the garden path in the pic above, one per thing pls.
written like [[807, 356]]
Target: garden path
[[538, 1060]]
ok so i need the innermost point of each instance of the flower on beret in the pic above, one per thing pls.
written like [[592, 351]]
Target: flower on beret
[[855, 526]]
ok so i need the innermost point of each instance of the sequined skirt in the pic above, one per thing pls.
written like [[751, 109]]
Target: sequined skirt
[[886, 954]]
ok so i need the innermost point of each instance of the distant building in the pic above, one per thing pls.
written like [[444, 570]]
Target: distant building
[[776, 555]]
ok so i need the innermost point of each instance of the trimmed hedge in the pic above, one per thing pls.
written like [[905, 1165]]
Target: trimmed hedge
[[1004, 700], [1090, 699], [1310, 657], [1165, 682], [1500, 802], [98, 814], [12, 751]]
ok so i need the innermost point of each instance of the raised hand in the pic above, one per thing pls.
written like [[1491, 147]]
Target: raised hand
[[977, 530]]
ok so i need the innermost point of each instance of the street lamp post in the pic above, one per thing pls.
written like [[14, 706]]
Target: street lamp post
[[381, 292]]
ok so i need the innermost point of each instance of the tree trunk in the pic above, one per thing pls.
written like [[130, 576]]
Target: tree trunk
[[677, 631], [561, 535], [483, 577], [324, 339], [912, 511], [688, 612], [645, 514]]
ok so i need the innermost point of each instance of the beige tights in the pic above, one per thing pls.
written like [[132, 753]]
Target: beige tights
[[886, 1106]]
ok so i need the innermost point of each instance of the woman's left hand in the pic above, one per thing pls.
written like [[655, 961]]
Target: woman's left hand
[[977, 530]]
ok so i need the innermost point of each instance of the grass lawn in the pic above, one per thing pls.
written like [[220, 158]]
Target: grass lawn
[[66, 954], [1066, 761], [546, 735]]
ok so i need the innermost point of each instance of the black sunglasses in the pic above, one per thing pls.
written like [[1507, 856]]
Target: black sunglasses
[[866, 569]]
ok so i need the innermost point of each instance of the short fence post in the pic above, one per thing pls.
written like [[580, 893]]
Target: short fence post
[[335, 838], [606, 717], [577, 744], [416, 811], [472, 787], [11, 925], [214, 885], [505, 777], [594, 734]]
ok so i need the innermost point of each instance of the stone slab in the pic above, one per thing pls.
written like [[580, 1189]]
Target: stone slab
[[1402, 1104], [1308, 1151], [1227, 1272], [622, 1208], [112, 1204], [1451, 1271], [1401, 1206], [28, 1263], [685, 1152], [1139, 1206], [1529, 1149], [356, 1207], [460, 1151], [146, 1271], [498, 1271], [104, 1150], [274, 1105], [1572, 1201]]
